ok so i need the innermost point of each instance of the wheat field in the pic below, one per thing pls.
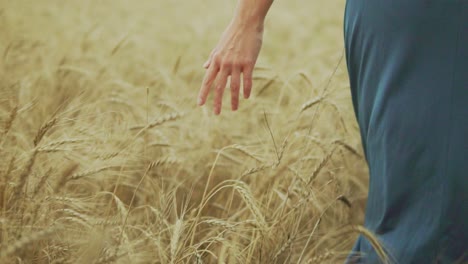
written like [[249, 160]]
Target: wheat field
[[105, 157]]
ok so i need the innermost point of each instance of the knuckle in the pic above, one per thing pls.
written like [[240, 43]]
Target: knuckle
[[226, 63], [236, 64], [217, 57]]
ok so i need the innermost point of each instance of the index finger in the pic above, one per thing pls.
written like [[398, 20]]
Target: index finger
[[210, 75]]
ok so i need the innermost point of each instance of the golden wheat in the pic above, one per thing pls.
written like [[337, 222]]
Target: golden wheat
[[105, 157]]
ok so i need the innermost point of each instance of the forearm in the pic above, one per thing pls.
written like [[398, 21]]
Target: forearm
[[252, 12]]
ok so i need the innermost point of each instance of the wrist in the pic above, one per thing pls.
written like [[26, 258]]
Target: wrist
[[250, 14], [253, 22]]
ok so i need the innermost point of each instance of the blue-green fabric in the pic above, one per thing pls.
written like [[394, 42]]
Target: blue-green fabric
[[408, 69]]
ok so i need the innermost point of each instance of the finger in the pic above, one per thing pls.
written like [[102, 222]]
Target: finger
[[210, 75], [247, 80], [235, 87], [219, 90]]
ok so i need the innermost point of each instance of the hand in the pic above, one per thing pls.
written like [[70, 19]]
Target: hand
[[235, 54]]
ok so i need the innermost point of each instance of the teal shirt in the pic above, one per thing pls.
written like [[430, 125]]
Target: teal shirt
[[408, 67]]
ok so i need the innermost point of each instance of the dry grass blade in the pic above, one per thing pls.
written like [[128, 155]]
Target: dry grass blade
[[119, 45], [271, 135], [306, 78], [176, 65]]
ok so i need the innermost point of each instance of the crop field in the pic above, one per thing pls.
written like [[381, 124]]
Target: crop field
[[106, 158]]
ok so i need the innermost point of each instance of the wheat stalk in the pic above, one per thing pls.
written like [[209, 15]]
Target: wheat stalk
[[65, 177], [246, 152], [311, 103], [247, 196], [320, 166], [347, 147], [74, 214], [320, 258], [176, 233], [9, 121], [284, 247], [221, 223], [63, 142], [267, 85], [24, 175], [337, 110], [80, 175], [24, 241], [159, 121], [43, 130], [256, 169]]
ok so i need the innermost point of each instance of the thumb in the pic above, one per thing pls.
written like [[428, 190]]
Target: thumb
[[207, 64]]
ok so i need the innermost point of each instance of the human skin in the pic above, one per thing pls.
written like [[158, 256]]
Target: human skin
[[235, 54]]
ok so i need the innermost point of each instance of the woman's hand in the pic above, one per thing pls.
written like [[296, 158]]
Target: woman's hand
[[235, 54]]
